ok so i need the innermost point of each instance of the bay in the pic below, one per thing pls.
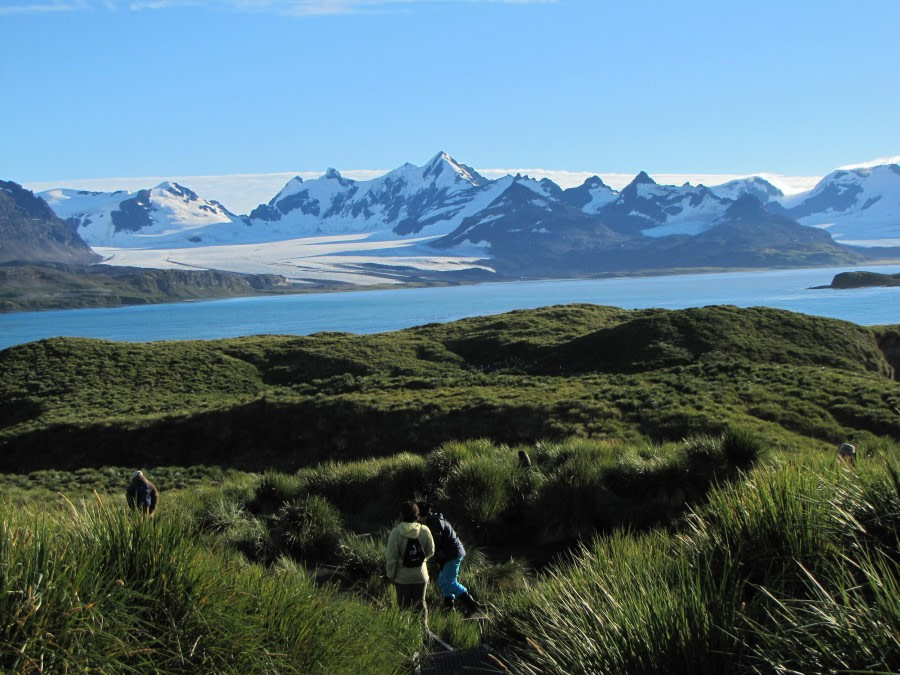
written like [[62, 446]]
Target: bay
[[386, 310]]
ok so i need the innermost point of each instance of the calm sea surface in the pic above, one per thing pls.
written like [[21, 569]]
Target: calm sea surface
[[377, 311]]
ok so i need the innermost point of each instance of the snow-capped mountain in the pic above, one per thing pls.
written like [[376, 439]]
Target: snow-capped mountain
[[444, 217], [856, 206], [434, 200], [590, 196], [522, 212], [759, 187], [652, 210], [405, 200], [165, 215]]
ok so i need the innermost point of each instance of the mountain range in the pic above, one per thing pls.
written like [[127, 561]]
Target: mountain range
[[515, 225]]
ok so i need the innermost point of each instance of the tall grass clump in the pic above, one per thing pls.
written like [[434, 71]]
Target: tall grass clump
[[481, 488], [595, 486], [361, 556], [441, 462], [847, 620], [767, 524], [627, 604], [97, 588], [793, 569], [574, 498], [741, 447], [367, 491], [222, 511], [272, 491], [308, 529]]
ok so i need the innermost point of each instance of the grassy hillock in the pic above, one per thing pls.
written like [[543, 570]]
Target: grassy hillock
[[861, 279], [550, 373]]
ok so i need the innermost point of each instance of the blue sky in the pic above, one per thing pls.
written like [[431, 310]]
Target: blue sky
[[119, 88]]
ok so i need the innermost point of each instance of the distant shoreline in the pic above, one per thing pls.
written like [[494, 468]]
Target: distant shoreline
[[38, 287], [861, 279]]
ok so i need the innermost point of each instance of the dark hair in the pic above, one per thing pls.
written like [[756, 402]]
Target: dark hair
[[424, 509], [409, 512]]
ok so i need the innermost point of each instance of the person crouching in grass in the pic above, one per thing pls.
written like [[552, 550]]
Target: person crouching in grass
[[449, 555]]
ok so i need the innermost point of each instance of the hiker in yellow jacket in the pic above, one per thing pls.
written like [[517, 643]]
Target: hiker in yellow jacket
[[409, 546]]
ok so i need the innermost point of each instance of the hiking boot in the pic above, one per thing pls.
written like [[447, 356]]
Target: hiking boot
[[449, 604], [470, 603]]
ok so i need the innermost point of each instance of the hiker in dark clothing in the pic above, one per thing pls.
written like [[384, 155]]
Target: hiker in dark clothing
[[524, 460], [142, 494], [448, 553], [847, 453]]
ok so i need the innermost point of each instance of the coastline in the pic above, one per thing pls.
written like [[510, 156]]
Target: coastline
[[54, 299]]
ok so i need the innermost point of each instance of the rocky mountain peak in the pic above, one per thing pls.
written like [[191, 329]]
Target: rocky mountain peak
[[31, 232], [746, 208], [643, 178]]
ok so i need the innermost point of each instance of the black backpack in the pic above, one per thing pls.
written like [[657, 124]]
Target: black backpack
[[414, 555], [144, 496]]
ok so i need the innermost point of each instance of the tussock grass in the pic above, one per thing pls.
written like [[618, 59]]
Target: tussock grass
[[370, 489], [103, 589], [307, 529], [793, 569], [272, 491], [481, 487], [789, 565]]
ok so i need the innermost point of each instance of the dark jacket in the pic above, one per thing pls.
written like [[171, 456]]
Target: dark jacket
[[447, 545], [141, 493]]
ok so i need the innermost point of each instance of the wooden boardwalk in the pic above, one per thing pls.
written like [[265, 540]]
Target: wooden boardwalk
[[473, 661], [445, 660]]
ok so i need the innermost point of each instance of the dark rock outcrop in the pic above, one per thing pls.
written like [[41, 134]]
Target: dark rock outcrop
[[31, 232]]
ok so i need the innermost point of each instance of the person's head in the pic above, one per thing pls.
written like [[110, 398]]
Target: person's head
[[847, 452], [137, 474], [409, 512]]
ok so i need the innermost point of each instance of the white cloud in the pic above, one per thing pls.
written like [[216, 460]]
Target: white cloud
[[286, 7], [44, 7], [873, 162]]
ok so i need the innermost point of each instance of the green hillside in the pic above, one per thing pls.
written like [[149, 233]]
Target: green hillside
[[551, 373], [39, 286], [683, 510]]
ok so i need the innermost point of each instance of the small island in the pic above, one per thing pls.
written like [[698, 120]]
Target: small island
[[862, 280]]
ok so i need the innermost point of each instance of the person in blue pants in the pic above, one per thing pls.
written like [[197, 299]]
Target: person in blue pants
[[448, 553]]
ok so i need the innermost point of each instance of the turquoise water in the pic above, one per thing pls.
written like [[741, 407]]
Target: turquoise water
[[377, 311]]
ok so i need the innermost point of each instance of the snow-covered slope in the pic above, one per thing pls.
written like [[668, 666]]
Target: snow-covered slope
[[516, 206], [758, 187], [396, 220], [654, 210], [857, 206], [406, 199], [166, 215], [590, 196]]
